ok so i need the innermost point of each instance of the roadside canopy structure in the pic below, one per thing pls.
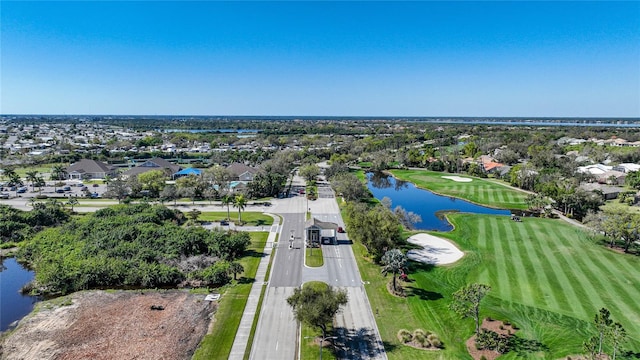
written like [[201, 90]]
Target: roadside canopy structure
[[317, 232], [187, 172]]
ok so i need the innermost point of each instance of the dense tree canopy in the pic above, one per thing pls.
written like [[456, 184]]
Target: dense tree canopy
[[317, 307], [17, 225], [129, 245]]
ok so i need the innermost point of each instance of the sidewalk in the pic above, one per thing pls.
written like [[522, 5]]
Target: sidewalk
[[242, 336]]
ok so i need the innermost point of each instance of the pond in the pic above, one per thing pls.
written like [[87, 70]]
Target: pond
[[13, 306], [428, 205]]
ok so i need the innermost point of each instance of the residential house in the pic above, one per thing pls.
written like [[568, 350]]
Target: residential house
[[242, 172], [626, 167], [608, 192]]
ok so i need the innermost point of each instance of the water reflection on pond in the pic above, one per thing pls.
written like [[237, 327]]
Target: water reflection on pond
[[13, 305], [428, 205]]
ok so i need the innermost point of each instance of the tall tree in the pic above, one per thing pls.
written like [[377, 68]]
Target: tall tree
[[393, 262], [153, 181], [240, 202], [72, 202], [227, 200], [317, 307], [603, 322], [32, 177], [617, 334], [13, 179], [58, 172], [466, 302], [309, 172], [117, 188], [235, 268], [170, 192]]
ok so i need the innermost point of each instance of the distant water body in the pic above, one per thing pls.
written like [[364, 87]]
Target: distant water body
[[226, 131]]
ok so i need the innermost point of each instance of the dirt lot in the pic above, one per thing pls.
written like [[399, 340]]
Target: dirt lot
[[112, 325]]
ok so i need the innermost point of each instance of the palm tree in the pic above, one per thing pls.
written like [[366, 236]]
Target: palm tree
[[40, 183], [227, 199], [240, 202], [72, 202], [58, 172], [12, 177], [32, 177], [394, 261]]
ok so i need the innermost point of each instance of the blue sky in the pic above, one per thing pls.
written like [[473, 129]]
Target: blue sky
[[453, 58]]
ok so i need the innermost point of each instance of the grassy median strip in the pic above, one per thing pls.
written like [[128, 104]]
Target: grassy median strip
[[313, 257], [309, 337], [217, 344]]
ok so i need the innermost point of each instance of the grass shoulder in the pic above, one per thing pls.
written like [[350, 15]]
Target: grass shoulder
[[217, 344]]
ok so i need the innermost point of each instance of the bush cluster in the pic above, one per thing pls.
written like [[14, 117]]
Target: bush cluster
[[425, 339], [129, 245], [491, 340]]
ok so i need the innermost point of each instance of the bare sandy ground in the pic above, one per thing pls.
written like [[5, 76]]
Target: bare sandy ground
[[111, 325], [457, 178], [436, 251]]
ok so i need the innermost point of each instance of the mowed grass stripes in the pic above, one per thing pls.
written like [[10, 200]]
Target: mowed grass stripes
[[549, 265], [547, 277], [480, 191]]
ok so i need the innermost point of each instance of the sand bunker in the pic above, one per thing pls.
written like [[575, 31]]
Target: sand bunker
[[435, 250], [457, 178]]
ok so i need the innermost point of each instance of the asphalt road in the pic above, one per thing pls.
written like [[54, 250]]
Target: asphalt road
[[277, 331]]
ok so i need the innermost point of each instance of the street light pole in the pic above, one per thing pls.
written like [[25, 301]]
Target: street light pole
[[322, 339]]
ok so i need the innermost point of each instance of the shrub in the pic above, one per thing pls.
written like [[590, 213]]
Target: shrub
[[434, 340], [405, 335], [420, 337]]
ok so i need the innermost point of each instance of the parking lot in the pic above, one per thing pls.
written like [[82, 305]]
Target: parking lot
[[66, 190]]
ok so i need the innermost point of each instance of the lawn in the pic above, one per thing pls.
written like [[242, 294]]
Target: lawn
[[313, 257], [250, 218], [41, 169], [547, 277], [479, 191], [217, 344]]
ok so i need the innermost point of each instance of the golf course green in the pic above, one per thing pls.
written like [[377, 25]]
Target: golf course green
[[547, 277], [479, 191]]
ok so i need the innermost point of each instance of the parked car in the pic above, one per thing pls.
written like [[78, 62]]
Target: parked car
[[59, 191], [224, 222], [67, 188], [21, 190], [4, 196], [95, 185]]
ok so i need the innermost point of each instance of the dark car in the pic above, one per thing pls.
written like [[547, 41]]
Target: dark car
[[340, 229], [95, 185], [60, 191], [224, 222]]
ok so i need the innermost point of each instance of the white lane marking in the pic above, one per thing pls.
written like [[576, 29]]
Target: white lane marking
[[277, 342]]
